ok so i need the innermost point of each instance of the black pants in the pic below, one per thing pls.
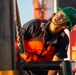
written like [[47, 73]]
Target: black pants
[[35, 72]]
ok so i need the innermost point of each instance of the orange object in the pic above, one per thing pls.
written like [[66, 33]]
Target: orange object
[[37, 9], [74, 71], [35, 50], [16, 50]]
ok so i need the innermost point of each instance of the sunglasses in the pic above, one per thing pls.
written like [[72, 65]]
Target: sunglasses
[[62, 14]]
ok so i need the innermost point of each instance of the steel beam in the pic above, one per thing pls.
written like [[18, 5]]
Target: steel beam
[[7, 36], [65, 66], [42, 65]]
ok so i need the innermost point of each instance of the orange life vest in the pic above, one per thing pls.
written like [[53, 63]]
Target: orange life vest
[[35, 51]]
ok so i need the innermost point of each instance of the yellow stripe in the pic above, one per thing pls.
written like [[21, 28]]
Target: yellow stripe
[[9, 72]]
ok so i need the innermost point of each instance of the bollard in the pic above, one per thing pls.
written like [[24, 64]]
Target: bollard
[[66, 67]]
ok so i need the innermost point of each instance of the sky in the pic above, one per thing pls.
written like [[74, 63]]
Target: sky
[[25, 10]]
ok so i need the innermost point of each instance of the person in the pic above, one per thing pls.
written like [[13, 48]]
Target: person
[[46, 40]]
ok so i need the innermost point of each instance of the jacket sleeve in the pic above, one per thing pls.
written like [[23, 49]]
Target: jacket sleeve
[[30, 28], [62, 48]]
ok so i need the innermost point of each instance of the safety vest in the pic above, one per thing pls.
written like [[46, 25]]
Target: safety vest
[[36, 52]]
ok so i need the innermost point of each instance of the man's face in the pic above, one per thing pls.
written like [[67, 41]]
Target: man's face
[[59, 18], [59, 23]]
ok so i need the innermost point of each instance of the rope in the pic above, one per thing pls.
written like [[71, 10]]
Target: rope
[[19, 31], [19, 40]]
